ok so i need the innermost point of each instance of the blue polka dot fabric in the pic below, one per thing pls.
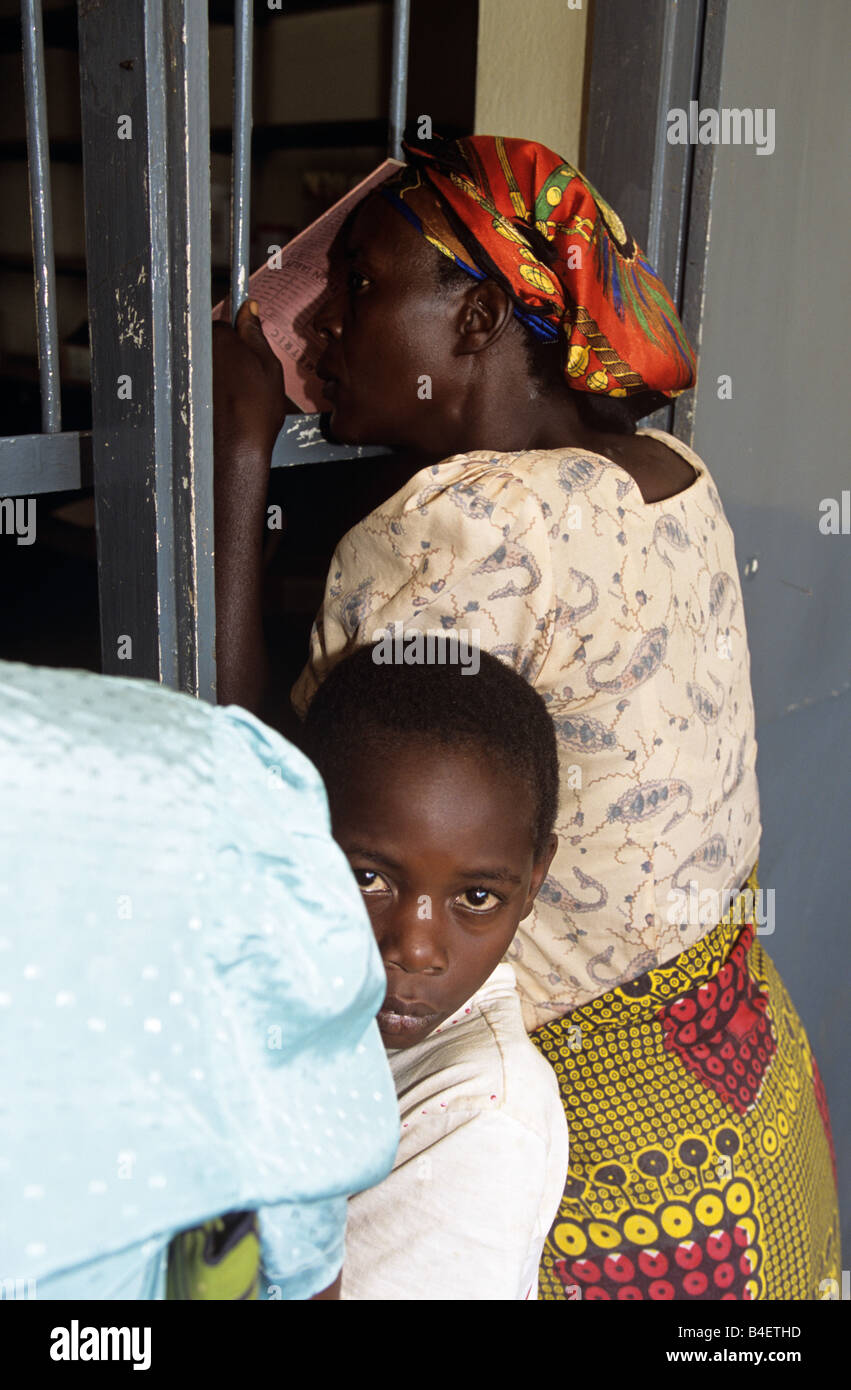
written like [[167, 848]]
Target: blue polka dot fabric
[[188, 984]]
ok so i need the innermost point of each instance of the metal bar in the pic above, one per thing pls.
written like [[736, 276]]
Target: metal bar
[[185, 392], [41, 213], [302, 441], [674, 164], [696, 238], [645, 58], [399, 75], [241, 165], [623, 79], [661, 147], [145, 112], [36, 463], [31, 464]]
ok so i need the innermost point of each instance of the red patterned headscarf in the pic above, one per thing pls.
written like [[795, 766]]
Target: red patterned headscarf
[[477, 200]]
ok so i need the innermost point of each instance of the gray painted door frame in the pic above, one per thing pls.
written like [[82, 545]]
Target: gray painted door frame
[[645, 60]]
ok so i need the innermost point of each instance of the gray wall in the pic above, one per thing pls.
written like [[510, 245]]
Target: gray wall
[[776, 319]]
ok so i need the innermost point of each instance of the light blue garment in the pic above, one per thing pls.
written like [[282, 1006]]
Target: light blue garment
[[188, 984]]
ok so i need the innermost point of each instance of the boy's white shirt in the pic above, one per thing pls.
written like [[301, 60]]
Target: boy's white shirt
[[481, 1166]]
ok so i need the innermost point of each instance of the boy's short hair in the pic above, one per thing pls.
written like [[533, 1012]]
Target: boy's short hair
[[494, 711]]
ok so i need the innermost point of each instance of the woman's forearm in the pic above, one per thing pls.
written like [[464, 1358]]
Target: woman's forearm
[[249, 408], [242, 664]]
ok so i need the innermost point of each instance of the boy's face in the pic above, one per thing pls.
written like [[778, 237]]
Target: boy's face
[[440, 841]]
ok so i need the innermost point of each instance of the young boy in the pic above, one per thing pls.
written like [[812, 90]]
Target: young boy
[[443, 789]]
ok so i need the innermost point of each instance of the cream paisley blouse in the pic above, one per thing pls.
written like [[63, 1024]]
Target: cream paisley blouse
[[627, 617]]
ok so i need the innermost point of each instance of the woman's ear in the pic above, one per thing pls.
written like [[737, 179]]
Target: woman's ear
[[539, 872], [484, 314]]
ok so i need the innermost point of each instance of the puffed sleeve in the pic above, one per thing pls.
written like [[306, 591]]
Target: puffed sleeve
[[188, 995], [462, 548]]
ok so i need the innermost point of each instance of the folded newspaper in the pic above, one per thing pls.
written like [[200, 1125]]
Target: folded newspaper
[[292, 285]]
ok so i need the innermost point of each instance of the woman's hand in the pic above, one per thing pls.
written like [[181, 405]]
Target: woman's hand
[[249, 401]]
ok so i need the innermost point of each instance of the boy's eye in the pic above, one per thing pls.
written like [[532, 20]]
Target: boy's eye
[[479, 899], [370, 882], [355, 280]]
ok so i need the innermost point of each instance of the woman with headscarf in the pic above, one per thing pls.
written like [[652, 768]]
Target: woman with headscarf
[[499, 324]]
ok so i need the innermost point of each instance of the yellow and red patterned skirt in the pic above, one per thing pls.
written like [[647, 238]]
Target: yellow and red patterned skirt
[[701, 1158]]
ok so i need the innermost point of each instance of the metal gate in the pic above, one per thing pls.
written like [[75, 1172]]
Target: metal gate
[[144, 83]]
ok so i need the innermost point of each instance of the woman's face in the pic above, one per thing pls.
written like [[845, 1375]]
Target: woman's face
[[389, 334]]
